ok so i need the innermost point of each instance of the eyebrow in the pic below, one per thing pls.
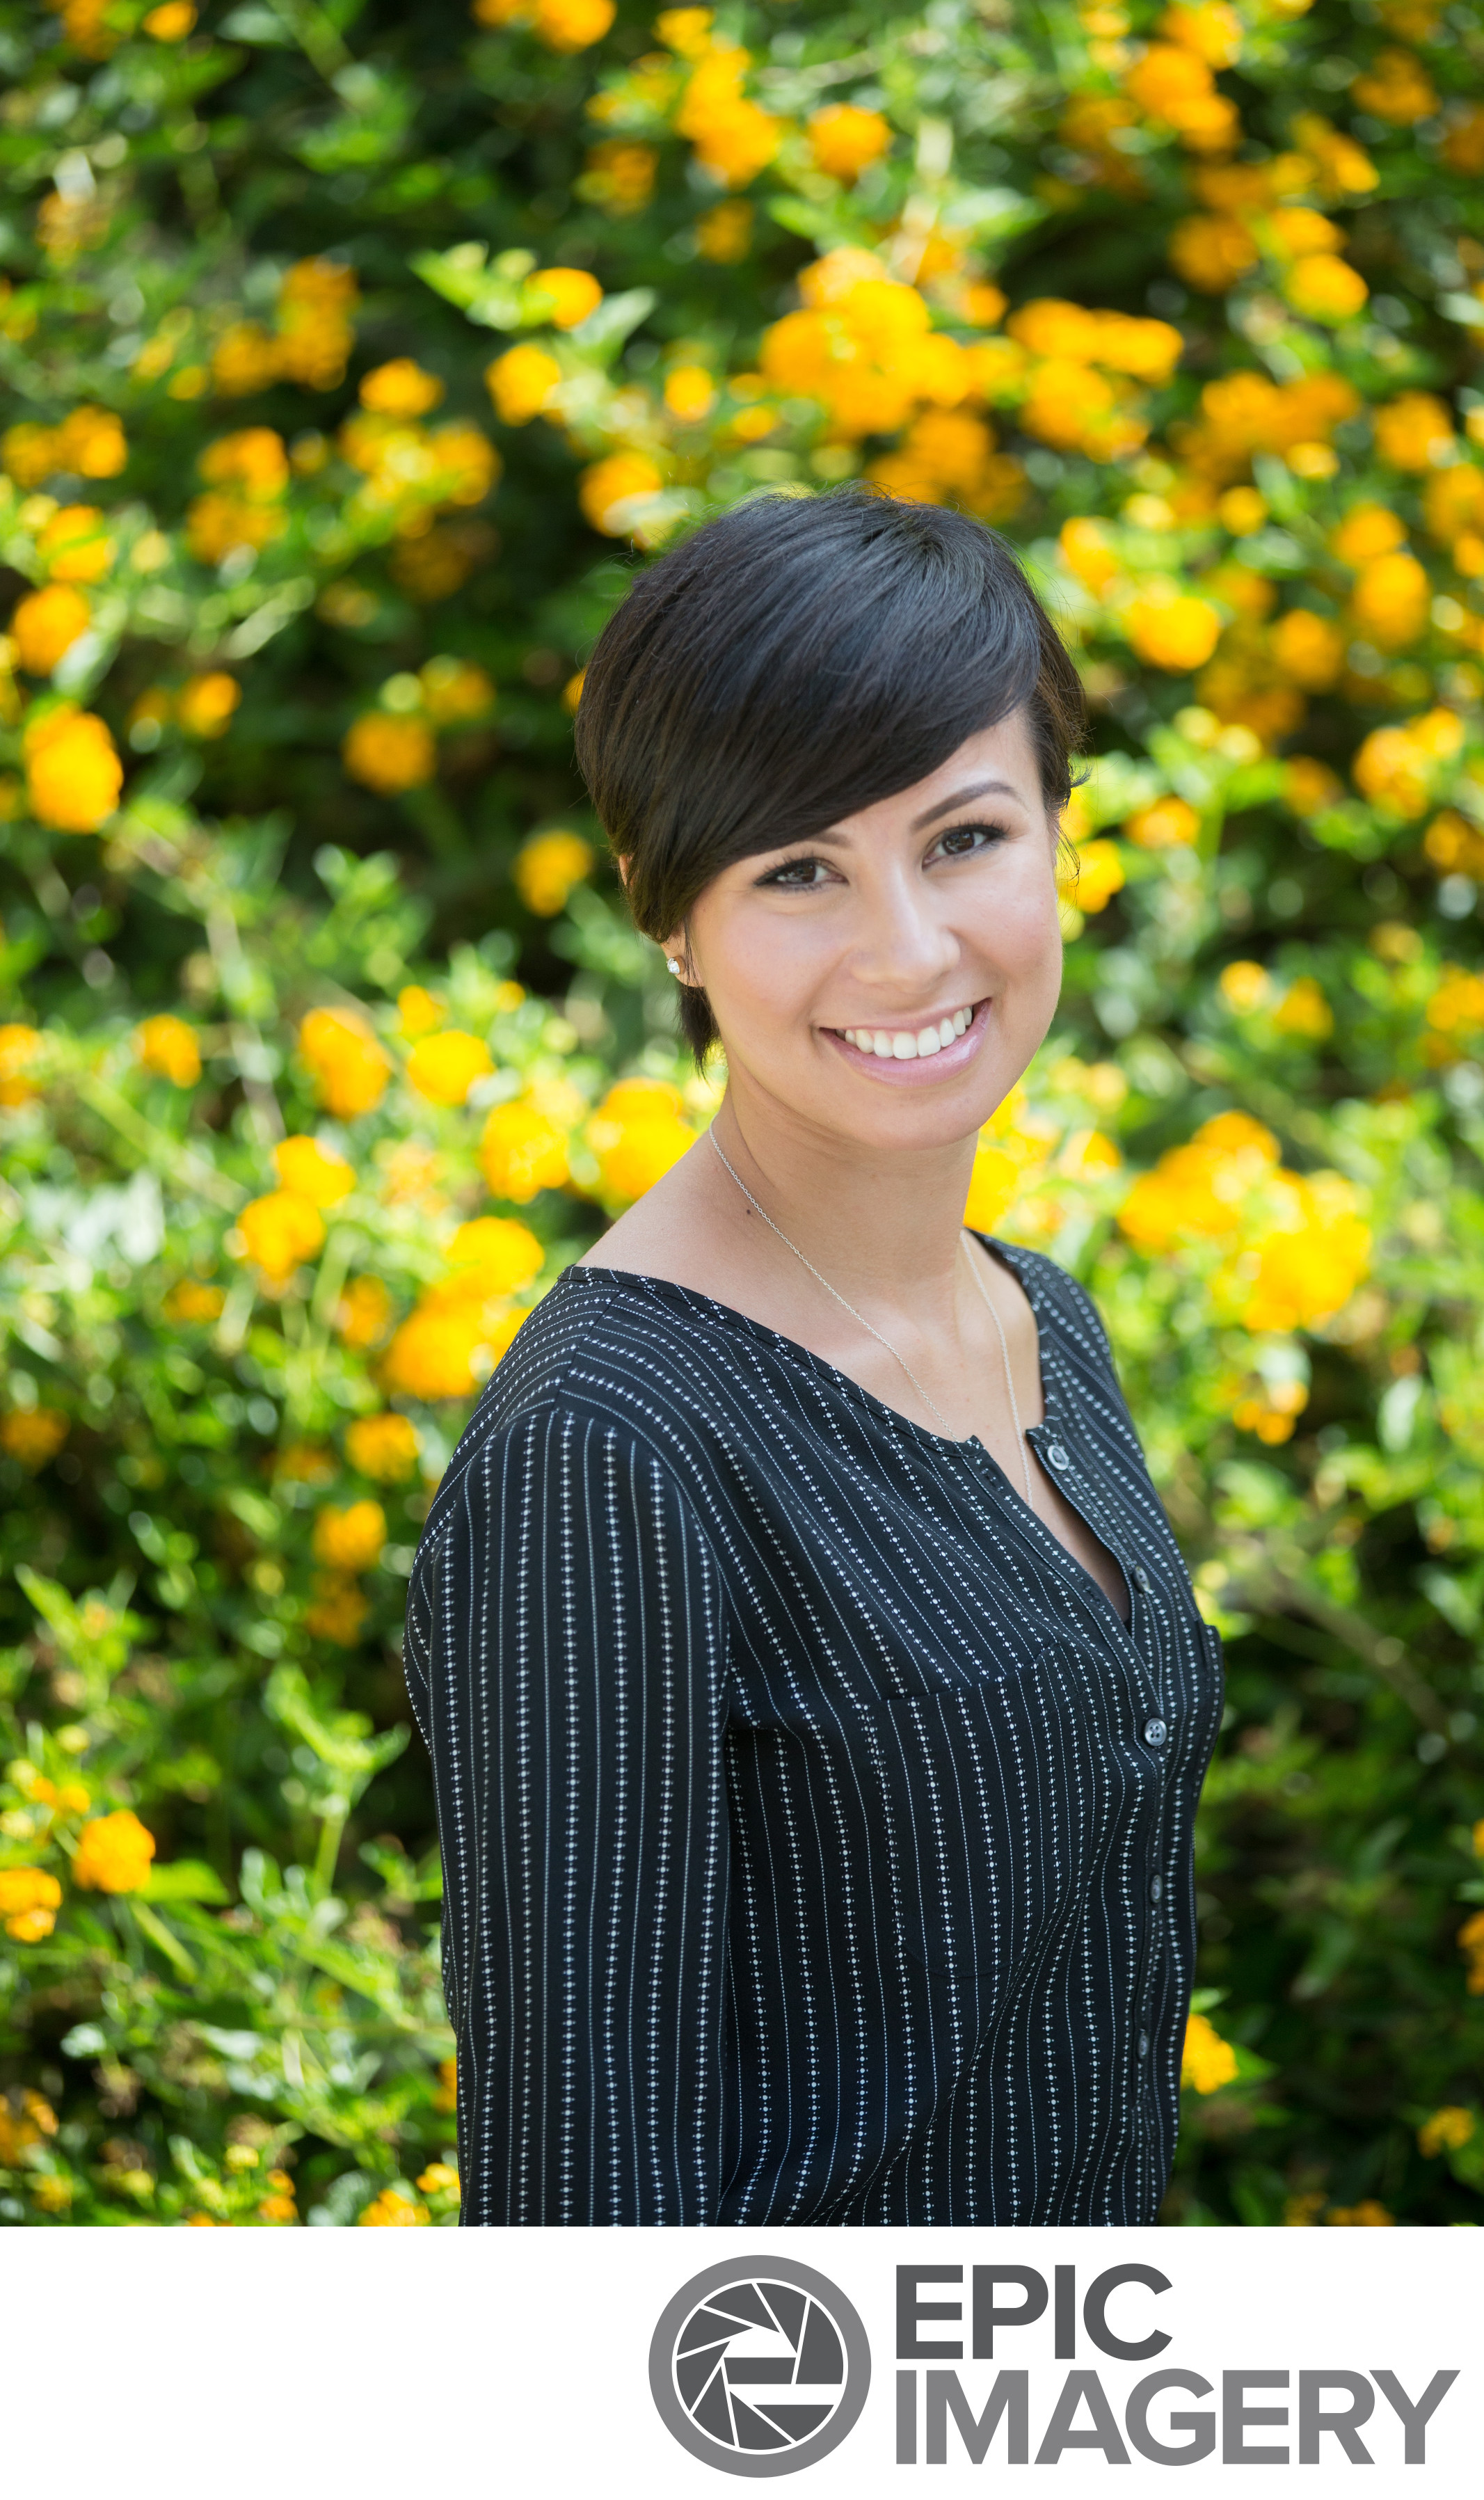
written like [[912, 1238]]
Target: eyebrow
[[832, 841], [961, 798]]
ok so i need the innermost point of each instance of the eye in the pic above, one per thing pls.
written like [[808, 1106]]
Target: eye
[[961, 841], [798, 875]]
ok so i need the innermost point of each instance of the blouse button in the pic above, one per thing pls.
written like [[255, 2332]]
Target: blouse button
[[1143, 2044], [1155, 1731], [1156, 1887], [1058, 1456], [1142, 1578]]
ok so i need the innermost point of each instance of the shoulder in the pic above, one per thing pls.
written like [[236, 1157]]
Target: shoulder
[[1061, 1305], [607, 1358]]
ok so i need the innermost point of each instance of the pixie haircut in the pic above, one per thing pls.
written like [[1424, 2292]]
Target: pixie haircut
[[792, 663]]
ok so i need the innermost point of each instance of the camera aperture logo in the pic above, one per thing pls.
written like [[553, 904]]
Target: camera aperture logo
[[759, 2366]]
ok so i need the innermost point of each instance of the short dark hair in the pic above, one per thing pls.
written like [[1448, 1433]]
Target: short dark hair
[[793, 662]]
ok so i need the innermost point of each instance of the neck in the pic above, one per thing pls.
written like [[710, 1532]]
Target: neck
[[880, 1226]]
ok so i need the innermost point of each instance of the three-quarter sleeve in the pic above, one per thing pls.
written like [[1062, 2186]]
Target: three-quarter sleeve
[[566, 1658]]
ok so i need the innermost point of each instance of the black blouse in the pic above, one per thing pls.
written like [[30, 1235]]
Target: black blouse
[[817, 1838]]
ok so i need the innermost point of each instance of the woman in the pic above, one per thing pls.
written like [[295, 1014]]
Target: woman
[[816, 1695]]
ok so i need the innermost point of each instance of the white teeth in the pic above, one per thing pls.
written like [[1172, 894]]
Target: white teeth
[[910, 1045]]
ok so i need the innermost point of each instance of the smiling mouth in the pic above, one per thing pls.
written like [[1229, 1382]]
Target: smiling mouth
[[919, 1041]]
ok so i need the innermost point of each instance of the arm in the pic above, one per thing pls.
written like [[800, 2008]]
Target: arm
[[565, 1631]]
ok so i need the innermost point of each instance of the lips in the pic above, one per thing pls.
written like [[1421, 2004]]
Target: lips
[[915, 1054], [919, 1041]]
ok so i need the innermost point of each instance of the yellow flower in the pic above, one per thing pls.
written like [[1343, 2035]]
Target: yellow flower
[[636, 1134], [45, 626], [305, 1170], [29, 1900], [520, 382], [493, 1256], [618, 175], [1202, 1187], [1367, 2216], [610, 491], [363, 1314], [1244, 987], [1172, 629], [1307, 649], [1212, 253], [73, 772], [1410, 432], [337, 1612], [844, 139], [205, 704], [1367, 530], [113, 1854], [169, 1048], [570, 295], [521, 1152], [348, 1064], [439, 2179], [171, 22], [1393, 766], [1447, 2130], [21, 1048], [1174, 84], [1324, 288], [456, 690], [194, 1305], [1085, 550], [443, 1066], [1306, 1011], [279, 1233], [389, 751], [1309, 786], [1166, 824], [1206, 2060], [1211, 29], [1463, 146], [1391, 600], [1306, 1262], [401, 388], [546, 869], [1397, 88], [1452, 844], [25, 2118], [418, 1011], [443, 1350], [733, 139], [75, 545], [690, 393], [389, 2211], [351, 1540], [383, 1447], [1098, 877], [1456, 1004], [725, 233]]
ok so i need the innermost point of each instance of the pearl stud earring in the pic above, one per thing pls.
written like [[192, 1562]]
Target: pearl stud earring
[[673, 965]]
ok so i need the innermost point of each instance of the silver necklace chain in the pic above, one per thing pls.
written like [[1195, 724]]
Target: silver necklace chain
[[861, 1321]]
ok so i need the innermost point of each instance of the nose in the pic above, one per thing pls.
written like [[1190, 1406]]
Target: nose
[[903, 946]]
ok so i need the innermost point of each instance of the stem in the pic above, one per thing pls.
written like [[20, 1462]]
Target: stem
[[331, 1833], [180, 1164]]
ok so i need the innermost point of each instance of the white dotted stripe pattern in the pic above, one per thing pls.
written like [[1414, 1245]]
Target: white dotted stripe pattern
[[818, 1841]]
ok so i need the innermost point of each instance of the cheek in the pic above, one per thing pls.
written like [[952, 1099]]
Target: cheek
[[768, 961]]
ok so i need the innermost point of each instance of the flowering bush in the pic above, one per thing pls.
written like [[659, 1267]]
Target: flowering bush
[[355, 367]]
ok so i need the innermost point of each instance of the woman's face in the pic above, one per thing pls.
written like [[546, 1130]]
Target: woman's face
[[888, 980]]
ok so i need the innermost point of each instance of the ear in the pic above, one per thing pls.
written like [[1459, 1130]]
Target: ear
[[622, 866]]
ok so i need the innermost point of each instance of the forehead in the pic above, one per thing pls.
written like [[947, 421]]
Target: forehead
[[996, 766]]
